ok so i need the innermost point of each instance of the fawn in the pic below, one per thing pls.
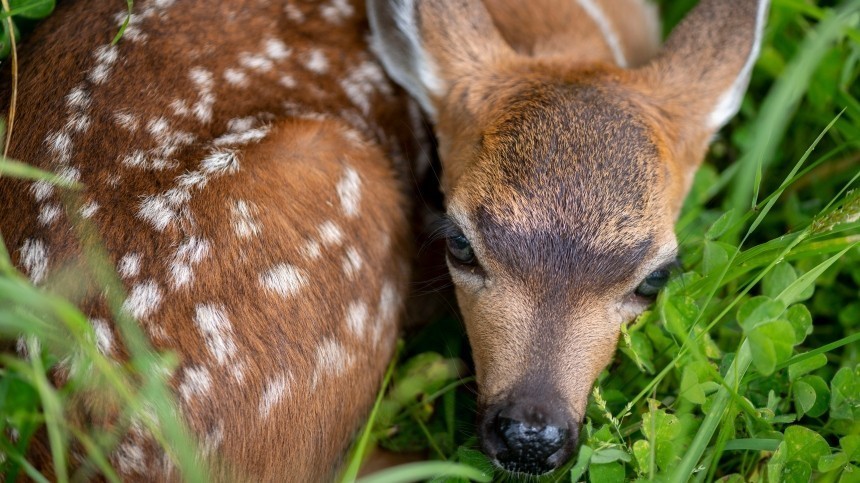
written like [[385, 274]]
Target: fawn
[[246, 165], [568, 139]]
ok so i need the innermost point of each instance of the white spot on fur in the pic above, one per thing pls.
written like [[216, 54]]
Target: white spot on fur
[[196, 381], [34, 258], [336, 11], [89, 209], [311, 250], [220, 162], [240, 124], [276, 50], [213, 323], [190, 253], [288, 81], [139, 160], [99, 73], [603, 23], [78, 98], [202, 78], [255, 62], [316, 61], [212, 440], [388, 301], [352, 263], [244, 137], [294, 13], [61, 145], [130, 458], [143, 300], [42, 190], [48, 214], [78, 122], [127, 121], [356, 317], [104, 336], [349, 192], [180, 107], [331, 358], [283, 279], [129, 265], [69, 174], [106, 54], [236, 77], [242, 215], [330, 234], [275, 390], [157, 211], [361, 82]]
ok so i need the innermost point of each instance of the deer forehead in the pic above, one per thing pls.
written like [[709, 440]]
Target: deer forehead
[[569, 179]]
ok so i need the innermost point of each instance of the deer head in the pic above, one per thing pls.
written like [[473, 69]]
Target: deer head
[[562, 180]]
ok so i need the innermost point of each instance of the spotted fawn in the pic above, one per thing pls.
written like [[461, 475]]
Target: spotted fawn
[[247, 166]]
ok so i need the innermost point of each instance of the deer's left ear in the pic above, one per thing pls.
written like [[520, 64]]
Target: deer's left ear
[[704, 68]]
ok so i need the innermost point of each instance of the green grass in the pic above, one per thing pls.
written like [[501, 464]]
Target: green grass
[[747, 368]]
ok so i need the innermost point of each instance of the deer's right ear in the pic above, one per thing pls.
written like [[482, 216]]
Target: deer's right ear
[[428, 45]]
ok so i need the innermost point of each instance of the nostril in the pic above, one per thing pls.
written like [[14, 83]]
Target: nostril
[[529, 446], [518, 435]]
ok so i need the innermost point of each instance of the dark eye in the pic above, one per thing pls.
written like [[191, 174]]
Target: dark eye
[[653, 283], [460, 249]]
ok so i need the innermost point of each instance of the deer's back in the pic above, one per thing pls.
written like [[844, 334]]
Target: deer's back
[[242, 166]]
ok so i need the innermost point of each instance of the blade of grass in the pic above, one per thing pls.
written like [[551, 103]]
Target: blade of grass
[[119, 34], [424, 471], [21, 170], [361, 446], [769, 127]]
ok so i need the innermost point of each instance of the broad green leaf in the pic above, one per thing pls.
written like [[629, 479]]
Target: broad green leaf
[[811, 395], [799, 288], [806, 366], [642, 452], [759, 310], [582, 462], [721, 225], [714, 257], [797, 472], [609, 455], [680, 312], [778, 279], [851, 446], [691, 390], [804, 397], [845, 394], [800, 318], [770, 344], [662, 429], [606, 473], [832, 462], [803, 444]]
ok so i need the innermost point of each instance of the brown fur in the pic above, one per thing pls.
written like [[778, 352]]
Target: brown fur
[[564, 170], [288, 182]]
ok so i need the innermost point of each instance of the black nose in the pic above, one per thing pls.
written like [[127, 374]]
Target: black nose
[[528, 438]]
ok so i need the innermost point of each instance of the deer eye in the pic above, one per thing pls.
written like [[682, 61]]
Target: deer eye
[[653, 283], [460, 249]]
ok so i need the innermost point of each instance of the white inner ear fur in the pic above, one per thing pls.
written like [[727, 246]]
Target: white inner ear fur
[[596, 13], [413, 69], [730, 101]]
